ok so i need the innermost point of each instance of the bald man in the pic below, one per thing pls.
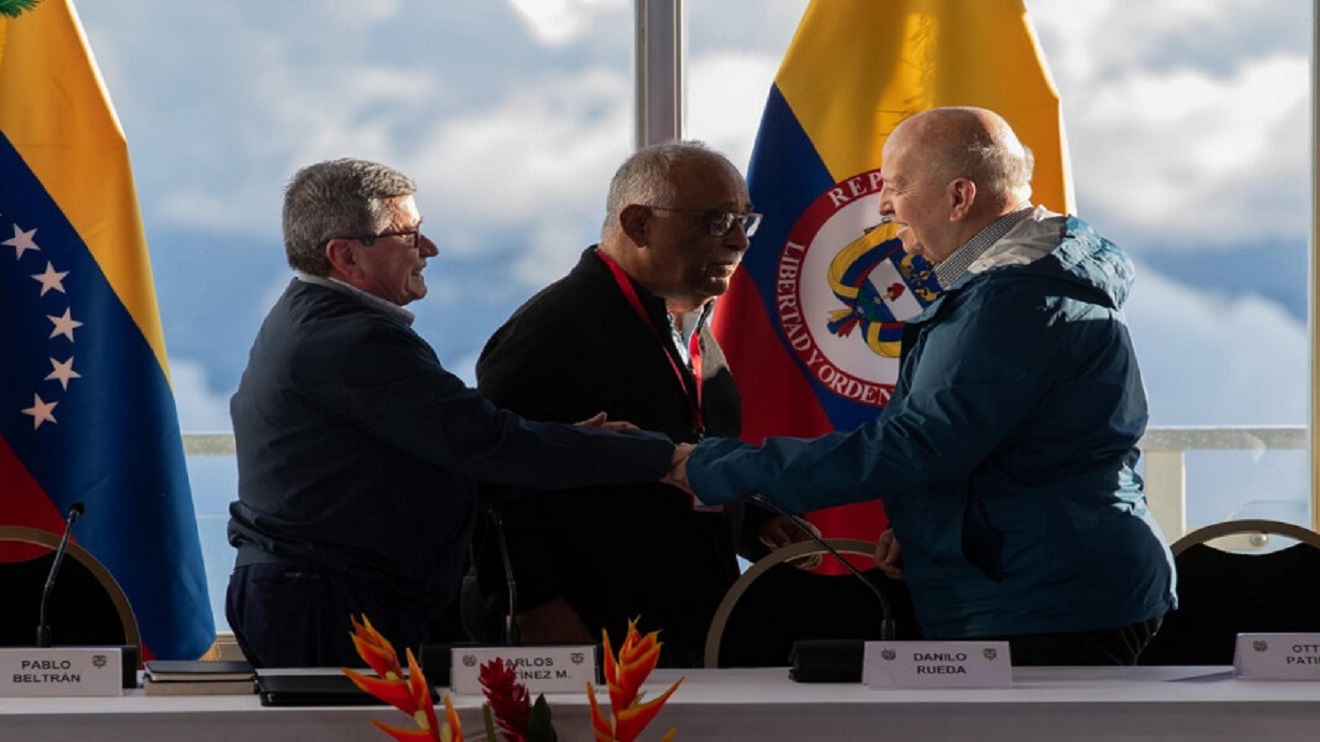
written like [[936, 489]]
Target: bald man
[[1006, 455]]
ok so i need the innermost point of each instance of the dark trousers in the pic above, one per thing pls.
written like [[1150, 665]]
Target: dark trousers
[[1119, 646], [298, 616]]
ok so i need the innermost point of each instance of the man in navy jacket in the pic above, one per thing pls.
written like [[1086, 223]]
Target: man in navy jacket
[[1006, 456], [358, 453]]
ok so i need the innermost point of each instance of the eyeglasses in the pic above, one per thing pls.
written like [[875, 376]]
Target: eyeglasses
[[720, 223], [414, 236]]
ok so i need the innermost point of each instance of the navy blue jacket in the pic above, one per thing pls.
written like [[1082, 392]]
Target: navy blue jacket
[[357, 451], [1006, 456]]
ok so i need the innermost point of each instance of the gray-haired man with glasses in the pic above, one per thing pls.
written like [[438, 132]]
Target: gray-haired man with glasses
[[358, 453], [627, 332]]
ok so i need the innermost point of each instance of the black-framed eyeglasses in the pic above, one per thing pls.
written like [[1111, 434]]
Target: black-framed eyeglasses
[[720, 223], [414, 236]]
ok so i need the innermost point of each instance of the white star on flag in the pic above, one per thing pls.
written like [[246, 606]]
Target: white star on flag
[[22, 241], [51, 279], [63, 372], [41, 411], [64, 325]]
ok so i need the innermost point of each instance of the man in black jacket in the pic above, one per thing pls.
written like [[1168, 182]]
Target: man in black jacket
[[627, 332], [358, 453]]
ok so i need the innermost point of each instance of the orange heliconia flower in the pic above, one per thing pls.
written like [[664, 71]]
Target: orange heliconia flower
[[410, 694], [625, 674]]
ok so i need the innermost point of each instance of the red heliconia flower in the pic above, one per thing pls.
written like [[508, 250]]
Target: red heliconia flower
[[373, 648], [452, 731], [601, 727], [411, 694], [625, 675], [637, 658], [508, 699]]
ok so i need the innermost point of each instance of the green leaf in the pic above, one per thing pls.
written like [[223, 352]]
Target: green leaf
[[539, 728], [15, 8], [489, 717]]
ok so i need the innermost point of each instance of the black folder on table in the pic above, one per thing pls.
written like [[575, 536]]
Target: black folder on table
[[330, 689]]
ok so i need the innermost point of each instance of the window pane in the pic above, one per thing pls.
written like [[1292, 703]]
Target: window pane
[[511, 117], [1190, 147]]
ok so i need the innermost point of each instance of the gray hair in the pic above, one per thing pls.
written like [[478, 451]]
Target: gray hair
[[337, 198], [999, 167], [646, 177]]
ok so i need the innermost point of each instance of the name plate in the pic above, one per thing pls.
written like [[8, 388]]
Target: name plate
[[897, 665], [61, 671], [555, 668], [1277, 657]]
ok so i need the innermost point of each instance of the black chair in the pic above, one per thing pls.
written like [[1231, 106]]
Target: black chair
[[774, 604], [87, 607], [1223, 590]]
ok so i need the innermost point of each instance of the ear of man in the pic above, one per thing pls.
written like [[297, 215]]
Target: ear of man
[[633, 221], [343, 259], [962, 196]]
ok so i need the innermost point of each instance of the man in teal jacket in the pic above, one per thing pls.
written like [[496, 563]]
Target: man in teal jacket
[[1006, 455]]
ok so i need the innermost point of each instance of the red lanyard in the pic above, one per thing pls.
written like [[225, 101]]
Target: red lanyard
[[694, 347]]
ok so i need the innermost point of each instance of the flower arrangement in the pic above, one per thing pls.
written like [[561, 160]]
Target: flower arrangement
[[411, 695], [508, 705], [624, 675]]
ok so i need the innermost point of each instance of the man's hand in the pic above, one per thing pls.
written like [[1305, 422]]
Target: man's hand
[[601, 420], [781, 530], [677, 475], [889, 556], [553, 623]]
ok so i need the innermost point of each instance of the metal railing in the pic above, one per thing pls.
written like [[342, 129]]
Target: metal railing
[[1164, 449]]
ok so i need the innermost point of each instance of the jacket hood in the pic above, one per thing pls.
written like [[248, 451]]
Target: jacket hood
[[1047, 244]]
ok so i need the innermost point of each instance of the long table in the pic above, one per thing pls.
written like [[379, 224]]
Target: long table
[[1146, 703]]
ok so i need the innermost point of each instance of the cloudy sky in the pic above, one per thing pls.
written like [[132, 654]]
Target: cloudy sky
[[1188, 122]]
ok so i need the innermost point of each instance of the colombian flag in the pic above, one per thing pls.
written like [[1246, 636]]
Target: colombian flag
[[86, 410], [812, 321]]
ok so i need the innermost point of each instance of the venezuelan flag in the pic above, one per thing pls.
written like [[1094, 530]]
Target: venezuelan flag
[[811, 322], [86, 410]]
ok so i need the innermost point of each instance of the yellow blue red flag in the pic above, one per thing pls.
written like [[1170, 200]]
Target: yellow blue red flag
[[812, 321], [86, 409]]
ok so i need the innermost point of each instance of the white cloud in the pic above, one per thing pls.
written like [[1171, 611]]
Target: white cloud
[[201, 409], [552, 249], [1183, 151], [726, 96], [1201, 353], [1185, 118], [558, 22], [537, 162]]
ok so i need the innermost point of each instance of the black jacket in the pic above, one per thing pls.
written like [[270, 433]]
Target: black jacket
[[621, 551]]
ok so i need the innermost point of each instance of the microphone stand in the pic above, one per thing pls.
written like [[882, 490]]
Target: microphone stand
[[887, 620], [43, 629], [511, 637]]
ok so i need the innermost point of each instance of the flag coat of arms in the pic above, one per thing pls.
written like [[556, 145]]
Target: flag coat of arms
[[86, 410], [812, 321]]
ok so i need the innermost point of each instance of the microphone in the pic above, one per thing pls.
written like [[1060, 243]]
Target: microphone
[[43, 629], [887, 620], [510, 623]]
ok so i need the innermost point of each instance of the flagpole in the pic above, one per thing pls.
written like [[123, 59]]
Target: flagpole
[[660, 62]]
